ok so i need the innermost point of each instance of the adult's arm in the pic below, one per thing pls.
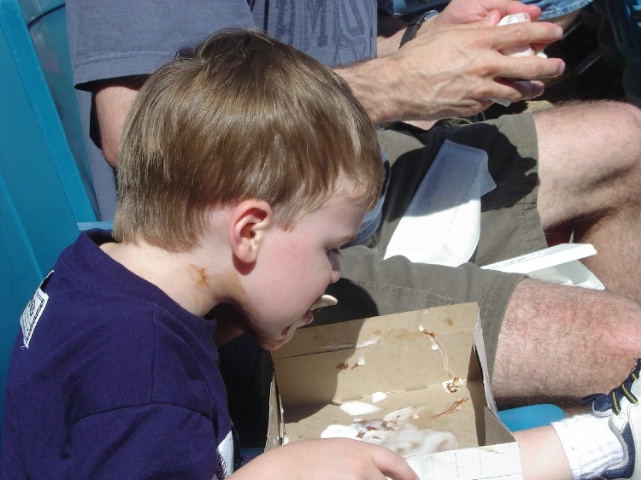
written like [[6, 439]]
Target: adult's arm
[[112, 102], [451, 68]]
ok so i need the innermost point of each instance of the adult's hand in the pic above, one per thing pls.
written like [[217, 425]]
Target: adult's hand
[[454, 70]]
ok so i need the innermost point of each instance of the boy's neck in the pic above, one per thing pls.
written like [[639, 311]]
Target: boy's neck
[[186, 277]]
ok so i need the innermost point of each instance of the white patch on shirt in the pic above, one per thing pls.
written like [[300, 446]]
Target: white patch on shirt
[[226, 456], [32, 313]]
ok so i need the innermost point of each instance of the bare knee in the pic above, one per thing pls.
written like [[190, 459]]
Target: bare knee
[[620, 120], [587, 122], [588, 160], [632, 114], [624, 122]]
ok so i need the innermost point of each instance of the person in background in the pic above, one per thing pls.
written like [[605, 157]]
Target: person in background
[[570, 172]]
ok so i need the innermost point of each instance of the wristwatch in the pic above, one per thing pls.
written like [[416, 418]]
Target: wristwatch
[[414, 25]]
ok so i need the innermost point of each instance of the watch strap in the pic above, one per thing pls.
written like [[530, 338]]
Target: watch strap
[[415, 24]]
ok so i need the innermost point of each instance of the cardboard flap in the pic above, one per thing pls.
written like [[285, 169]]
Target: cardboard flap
[[405, 352]]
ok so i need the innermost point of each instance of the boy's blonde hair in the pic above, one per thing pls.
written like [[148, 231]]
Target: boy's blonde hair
[[242, 116]]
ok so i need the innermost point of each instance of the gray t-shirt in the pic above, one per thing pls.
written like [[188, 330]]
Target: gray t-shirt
[[119, 38]]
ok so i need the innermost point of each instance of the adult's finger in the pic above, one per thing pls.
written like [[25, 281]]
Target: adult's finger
[[533, 11], [517, 90], [527, 89], [529, 67], [525, 33]]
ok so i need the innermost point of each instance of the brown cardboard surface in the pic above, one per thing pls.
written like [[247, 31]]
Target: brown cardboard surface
[[409, 357]]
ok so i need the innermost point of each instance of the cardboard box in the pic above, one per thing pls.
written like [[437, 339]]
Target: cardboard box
[[420, 374]]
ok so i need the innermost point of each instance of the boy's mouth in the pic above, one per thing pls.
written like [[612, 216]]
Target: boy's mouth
[[322, 302], [308, 317]]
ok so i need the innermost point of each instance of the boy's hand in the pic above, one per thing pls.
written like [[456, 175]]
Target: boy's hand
[[335, 458]]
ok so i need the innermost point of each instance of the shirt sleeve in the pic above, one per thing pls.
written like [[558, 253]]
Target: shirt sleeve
[[149, 441], [118, 38]]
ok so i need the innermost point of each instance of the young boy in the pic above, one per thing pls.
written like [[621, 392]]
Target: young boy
[[244, 167]]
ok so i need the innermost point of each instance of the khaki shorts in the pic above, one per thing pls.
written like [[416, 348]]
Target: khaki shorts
[[510, 226]]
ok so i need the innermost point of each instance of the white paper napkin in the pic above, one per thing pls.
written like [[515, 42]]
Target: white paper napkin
[[443, 222]]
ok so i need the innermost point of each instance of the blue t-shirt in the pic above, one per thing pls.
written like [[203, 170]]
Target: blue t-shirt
[[110, 378]]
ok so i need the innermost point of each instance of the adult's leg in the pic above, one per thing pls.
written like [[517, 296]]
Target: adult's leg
[[542, 326], [371, 286], [565, 342], [555, 342], [590, 185]]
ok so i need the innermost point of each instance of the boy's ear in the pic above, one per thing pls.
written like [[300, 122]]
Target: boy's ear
[[248, 222]]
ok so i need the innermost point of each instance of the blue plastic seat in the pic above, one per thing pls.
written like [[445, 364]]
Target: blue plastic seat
[[531, 416], [46, 194]]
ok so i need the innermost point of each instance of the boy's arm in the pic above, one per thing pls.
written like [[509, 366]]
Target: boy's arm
[[156, 440], [328, 458]]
